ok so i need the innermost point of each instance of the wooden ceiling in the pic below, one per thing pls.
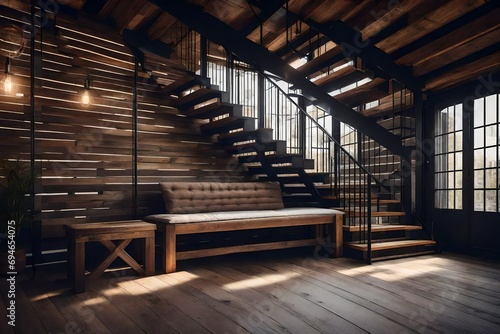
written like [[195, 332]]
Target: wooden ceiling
[[444, 43]]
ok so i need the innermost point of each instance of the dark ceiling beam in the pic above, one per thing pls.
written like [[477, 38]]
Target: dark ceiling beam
[[141, 41], [93, 7], [268, 8], [353, 45], [344, 81], [295, 43], [446, 29], [461, 62], [263, 60]]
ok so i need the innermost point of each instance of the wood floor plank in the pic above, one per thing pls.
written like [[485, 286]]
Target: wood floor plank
[[110, 315], [365, 318], [80, 317], [409, 284], [151, 299], [209, 318], [52, 320], [231, 306], [369, 296], [438, 306], [131, 305], [298, 306], [270, 292], [259, 301]]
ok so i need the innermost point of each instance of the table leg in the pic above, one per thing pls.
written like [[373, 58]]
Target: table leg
[[78, 266]]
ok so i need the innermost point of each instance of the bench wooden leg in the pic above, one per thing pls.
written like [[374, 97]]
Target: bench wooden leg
[[338, 235], [76, 265], [168, 247], [149, 255]]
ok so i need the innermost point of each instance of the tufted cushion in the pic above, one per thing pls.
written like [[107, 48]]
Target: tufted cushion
[[196, 197]]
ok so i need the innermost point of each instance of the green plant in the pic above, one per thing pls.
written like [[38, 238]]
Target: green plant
[[15, 183]]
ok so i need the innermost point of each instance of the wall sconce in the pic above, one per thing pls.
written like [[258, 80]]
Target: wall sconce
[[86, 95], [7, 81]]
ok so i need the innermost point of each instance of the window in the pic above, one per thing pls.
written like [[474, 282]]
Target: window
[[448, 158], [486, 153]]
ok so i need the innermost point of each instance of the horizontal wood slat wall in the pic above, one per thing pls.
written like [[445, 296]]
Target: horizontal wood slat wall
[[85, 154]]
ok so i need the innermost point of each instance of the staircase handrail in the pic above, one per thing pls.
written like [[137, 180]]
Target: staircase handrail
[[330, 137]]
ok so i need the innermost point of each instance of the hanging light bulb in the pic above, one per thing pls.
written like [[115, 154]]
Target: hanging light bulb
[[8, 83], [86, 93]]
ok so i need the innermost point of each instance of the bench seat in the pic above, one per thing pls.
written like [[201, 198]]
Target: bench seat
[[169, 218]]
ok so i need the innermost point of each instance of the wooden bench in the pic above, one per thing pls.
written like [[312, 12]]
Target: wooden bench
[[204, 207], [115, 236]]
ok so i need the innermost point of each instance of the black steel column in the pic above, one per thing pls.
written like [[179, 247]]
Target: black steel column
[[302, 126], [135, 141], [35, 69], [203, 57], [261, 100]]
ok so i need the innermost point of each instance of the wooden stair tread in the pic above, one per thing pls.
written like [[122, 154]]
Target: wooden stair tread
[[383, 228], [215, 109], [198, 96], [390, 244], [228, 123], [355, 199], [374, 214], [264, 135]]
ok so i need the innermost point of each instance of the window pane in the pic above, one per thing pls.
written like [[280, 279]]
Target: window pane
[[491, 178], [458, 204], [491, 109], [458, 117], [491, 200], [479, 179], [458, 160], [479, 112], [451, 120], [451, 199], [491, 135], [491, 157], [451, 142], [451, 161], [479, 137], [458, 180], [439, 165], [451, 180], [440, 181], [458, 141], [439, 144], [479, 158], [478, 200], [441, 199]]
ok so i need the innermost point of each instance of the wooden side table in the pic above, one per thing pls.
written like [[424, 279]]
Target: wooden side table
[[115, 236]]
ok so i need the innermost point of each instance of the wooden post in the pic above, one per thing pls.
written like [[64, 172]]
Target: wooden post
[[169, 241]]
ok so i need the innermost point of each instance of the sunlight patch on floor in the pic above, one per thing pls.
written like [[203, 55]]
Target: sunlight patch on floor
[[256, 282]]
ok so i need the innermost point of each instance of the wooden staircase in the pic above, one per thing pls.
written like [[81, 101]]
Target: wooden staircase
[[267, 159]]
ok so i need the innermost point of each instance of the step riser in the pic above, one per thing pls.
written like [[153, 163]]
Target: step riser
[[397, 252]]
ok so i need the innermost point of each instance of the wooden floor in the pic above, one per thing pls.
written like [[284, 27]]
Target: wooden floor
[[280, 292]]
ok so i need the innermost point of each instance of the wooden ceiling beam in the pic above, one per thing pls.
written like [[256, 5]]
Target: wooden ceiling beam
[[353, 46], [459, 31], [261, 59]]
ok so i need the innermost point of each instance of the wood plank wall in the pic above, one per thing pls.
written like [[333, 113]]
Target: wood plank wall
[[85, 155]]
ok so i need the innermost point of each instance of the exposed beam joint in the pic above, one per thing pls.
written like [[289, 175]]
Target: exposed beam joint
[[267, 10]]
